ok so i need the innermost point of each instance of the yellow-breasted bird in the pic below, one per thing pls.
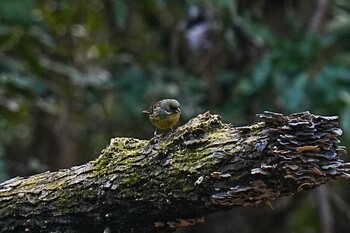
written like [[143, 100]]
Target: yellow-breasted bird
[[164, 114]]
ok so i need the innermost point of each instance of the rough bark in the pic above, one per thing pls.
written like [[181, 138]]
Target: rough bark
[[174, 179]]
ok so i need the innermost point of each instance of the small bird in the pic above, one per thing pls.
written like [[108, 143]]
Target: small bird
[[164, 114]]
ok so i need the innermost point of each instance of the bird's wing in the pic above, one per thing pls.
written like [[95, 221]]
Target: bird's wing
[[154, 109]]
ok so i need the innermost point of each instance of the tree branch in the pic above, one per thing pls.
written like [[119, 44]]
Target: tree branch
[[318, 19], [174, 179]]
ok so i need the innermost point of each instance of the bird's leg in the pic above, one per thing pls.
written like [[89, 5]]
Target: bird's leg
[[155, 133]]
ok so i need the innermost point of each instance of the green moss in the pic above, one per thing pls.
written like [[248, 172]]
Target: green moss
[[63, 199], [133, 178], [125, 192], [187, 189], [121, 155], [63, 202]]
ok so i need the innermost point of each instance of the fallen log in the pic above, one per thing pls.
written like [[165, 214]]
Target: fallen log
[[175, 179]]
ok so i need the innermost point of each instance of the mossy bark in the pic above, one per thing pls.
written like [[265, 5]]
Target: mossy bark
[[173, 180]]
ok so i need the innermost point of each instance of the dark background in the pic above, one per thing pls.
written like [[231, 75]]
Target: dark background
[[74, 74]]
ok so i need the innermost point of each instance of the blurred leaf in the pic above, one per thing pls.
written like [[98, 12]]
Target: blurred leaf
[[294, 93], [21, 83], [129, 85], [345, 120], [246, 87], [227, 77], [257, 32], [121, 11], [16, 11], [304, 220], [341, 5], [329, 82], [261, 72]]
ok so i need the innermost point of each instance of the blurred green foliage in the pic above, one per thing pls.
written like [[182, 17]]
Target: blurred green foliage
[[73, 74], [304, 220]]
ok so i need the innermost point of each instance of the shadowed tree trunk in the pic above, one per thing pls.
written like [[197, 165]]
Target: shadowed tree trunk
[[173, 180]]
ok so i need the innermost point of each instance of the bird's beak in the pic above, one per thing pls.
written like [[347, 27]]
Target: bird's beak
[[178, 110]]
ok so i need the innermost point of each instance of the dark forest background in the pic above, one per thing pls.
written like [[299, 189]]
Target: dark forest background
[[74, 74]]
